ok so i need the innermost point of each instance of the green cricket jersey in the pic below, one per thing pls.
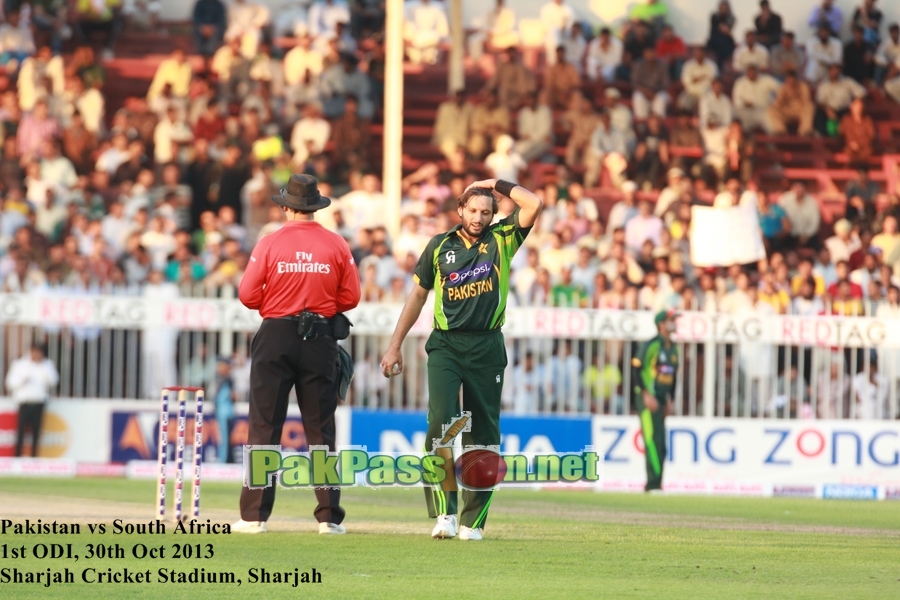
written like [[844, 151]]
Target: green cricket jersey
[[656, 365], [648, 12], [471, 281]]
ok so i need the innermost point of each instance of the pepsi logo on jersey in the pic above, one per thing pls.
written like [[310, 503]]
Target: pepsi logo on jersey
[[477, 272]]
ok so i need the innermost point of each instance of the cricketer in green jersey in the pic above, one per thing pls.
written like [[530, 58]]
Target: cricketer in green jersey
[[468, 269], [654, 369]]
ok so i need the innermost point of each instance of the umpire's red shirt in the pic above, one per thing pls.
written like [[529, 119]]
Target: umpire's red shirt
[[302, 266]]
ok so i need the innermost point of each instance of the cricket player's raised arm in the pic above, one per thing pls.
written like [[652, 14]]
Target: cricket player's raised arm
[[529, 204], [408, 317]]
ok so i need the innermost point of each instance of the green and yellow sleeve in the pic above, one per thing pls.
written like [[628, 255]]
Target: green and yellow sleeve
[[511, 235], [427, 265], [644, 364]]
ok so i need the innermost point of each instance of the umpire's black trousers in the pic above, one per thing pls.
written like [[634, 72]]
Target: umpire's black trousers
[[280, 360], [31, 415]]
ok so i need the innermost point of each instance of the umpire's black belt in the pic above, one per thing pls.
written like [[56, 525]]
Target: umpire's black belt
[[314, 326]]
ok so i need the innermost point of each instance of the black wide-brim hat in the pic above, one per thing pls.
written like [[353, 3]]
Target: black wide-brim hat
[[302, 194]]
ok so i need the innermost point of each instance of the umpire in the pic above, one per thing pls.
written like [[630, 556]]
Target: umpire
[[468, 268], [654, 369], [301, 279]]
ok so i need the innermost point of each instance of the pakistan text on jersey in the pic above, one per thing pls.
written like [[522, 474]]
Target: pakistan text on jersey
[[303, 267], [469, 290]]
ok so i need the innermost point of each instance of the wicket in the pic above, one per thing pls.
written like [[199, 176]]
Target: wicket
[[179, 450]]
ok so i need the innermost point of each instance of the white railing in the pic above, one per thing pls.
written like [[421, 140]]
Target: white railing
[[112, 345]]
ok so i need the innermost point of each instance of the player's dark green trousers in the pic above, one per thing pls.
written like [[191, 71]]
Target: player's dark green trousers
[[476, 362], [654, 432]]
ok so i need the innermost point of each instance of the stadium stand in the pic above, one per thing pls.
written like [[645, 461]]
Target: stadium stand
[[156, 150]]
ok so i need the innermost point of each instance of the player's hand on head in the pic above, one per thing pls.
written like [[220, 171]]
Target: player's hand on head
[[484, 183], [392, 363]]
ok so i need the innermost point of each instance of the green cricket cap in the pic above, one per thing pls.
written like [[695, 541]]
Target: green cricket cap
[[664, 314]]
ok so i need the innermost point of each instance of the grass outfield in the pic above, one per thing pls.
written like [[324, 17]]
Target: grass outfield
[[560, 544]]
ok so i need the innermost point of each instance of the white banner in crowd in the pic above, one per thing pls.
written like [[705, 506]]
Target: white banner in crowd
[[127, 312], [119, 312], [721, 237]]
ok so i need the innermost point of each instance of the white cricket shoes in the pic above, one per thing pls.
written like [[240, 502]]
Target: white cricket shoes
[[243, 526], [467, 533], [331, 529], [446, 527]]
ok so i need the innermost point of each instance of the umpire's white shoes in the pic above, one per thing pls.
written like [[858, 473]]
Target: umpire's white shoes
[[331, 529], [243, 526], [467, 533], [445, 528]]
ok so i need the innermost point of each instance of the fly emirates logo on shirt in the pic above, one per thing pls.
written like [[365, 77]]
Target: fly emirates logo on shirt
[[303, 264]]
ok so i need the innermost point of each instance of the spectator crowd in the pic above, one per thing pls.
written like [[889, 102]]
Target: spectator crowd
[[622, 131]]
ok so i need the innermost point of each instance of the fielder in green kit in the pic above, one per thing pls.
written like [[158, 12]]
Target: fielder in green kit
[[654, 369], [468, 269]]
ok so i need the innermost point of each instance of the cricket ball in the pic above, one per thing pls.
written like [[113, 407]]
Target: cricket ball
[[480, 469]]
